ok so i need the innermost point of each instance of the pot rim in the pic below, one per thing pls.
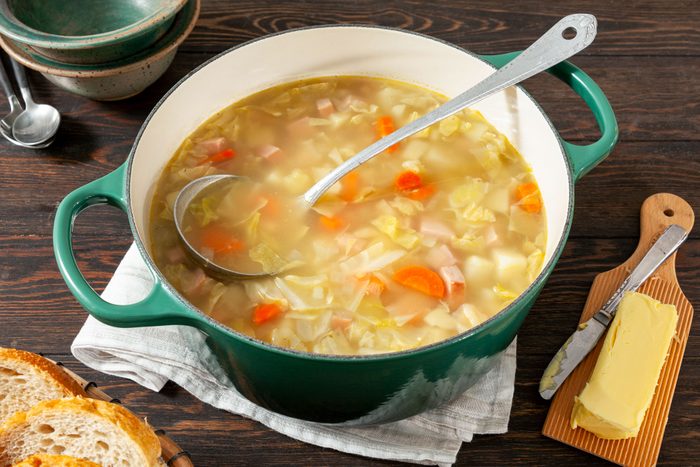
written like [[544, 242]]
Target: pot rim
[[501, 315]]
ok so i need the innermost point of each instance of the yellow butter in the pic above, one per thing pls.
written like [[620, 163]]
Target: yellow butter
[[620, 389]]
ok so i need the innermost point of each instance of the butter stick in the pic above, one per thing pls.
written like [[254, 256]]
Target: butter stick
[[622, 385]]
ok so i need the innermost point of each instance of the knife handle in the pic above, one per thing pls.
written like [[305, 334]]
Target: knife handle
[[660, 250]]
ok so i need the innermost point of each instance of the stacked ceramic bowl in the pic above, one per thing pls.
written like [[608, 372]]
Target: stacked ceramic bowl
[[106, 50]]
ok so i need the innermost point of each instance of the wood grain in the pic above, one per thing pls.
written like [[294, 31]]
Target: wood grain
[[646, 58], [635, 28], [658, 212]]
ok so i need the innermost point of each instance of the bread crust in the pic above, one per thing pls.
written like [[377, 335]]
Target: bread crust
[[69, 386], [54, 460], [140, 432]]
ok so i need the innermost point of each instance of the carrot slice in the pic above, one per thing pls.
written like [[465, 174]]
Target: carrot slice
[[272, 208], [224, 155], [421, 193], [220, 241], [525, 189], [385, 126], [421, 279], [349, 186], [331, 223], [266, 312], [527, 195], [408, 181]]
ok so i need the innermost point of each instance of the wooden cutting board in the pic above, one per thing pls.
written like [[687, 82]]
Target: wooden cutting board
[[658, 212]]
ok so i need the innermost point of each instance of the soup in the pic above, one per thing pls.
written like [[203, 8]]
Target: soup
[[419, 244]]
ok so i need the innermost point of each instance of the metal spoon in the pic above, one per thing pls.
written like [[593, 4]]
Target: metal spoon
[[15, 110], [569, 36], [39, 122]]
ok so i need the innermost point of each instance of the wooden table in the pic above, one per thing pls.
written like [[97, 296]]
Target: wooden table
[[646, 58]]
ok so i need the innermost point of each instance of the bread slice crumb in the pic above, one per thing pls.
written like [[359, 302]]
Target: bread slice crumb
[[95, 430]]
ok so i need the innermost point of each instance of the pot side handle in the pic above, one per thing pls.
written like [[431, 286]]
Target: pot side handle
[[583, 158], [160, 307]]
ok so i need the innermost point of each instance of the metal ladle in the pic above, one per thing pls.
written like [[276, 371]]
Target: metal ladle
[[15, 111], [39, 122], [569, 36]]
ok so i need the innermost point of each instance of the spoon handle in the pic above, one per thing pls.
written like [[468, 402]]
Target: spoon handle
[[9, 90], [21, 77], [553, 47]]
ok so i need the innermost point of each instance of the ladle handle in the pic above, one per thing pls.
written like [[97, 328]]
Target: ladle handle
[[21, 77], [553, 47], [9, 90]]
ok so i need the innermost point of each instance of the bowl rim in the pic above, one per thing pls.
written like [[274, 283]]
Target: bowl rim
[[162, 48], [510, 309], [18, 30]]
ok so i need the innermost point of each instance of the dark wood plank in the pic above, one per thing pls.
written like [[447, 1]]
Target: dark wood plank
[[637, 28]]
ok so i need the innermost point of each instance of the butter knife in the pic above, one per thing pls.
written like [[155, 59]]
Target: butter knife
[[586, 336]]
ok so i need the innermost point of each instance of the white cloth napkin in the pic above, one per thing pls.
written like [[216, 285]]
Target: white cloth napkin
[[151, 356]]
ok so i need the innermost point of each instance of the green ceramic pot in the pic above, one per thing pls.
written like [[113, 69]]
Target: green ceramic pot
[[330, 389], [87, 31]]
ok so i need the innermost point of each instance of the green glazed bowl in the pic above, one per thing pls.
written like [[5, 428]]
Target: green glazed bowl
[[87, 31], [115, 80], [347, 390]]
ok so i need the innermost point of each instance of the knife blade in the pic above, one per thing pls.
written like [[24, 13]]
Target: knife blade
[[587, 335]]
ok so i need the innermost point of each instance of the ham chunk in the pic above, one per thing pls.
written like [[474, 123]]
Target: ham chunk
[[300, 128], [454, 282], [435, 229], [340, 322], [325, 107], [348, 101], [268, 151], [440, 256], [194, 281], [214, 145], [175, 255]]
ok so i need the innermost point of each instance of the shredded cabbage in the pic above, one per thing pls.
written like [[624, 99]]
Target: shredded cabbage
[[471, 314], [504, 294], [469, 242], [475, 215], [301, 295], [440, 317], [534, 264], [406, 206], [263, 290], [449, 125], [472, 191], [285, 337], [271, 262], [403, 236], [371, 259]]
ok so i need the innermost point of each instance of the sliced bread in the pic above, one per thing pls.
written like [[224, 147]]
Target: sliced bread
[[27, 378], [99, 431], [54, 460]]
